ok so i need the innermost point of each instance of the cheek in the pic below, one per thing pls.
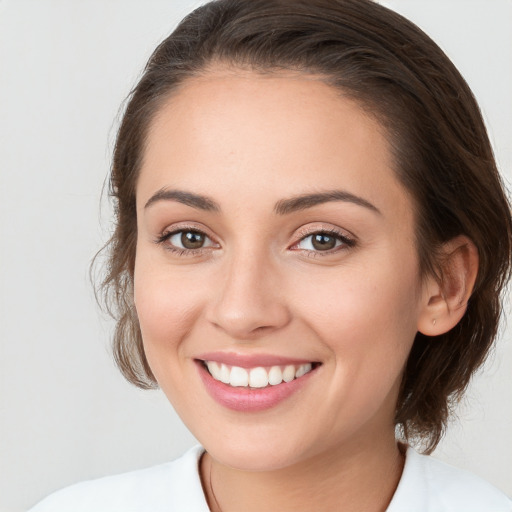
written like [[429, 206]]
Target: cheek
[[167, 307], [367, 321], [364, 310]]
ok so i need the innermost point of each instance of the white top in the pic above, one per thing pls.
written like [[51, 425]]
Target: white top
[[427, 485]]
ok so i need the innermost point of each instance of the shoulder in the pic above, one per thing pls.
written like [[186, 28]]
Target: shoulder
[[429, 485], [169, 487]]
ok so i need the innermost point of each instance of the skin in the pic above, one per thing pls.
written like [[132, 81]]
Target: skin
[[248, 141]]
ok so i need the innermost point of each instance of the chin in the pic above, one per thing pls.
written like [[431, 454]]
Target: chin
[[252, 458], [258, 450]]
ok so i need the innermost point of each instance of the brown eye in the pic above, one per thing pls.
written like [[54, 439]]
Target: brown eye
[[323, 242], [192, 239], [186, 240]]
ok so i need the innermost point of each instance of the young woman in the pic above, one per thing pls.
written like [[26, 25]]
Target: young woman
[[311, 243]]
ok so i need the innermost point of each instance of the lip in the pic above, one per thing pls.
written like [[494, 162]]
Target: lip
[[250, 360], [251, 399]]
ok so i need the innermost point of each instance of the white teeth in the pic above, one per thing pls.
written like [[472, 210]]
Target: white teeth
[[239, 377], [289, 373], [258, 377], [224, 374], [302, 370], [275, 376], [214, 369]]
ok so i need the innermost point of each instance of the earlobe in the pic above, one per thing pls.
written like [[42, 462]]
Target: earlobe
[[445, 298]]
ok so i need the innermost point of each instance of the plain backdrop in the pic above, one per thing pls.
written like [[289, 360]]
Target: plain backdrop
[[65, 67]]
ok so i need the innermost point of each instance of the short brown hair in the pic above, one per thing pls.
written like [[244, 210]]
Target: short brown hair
[[435, 131]]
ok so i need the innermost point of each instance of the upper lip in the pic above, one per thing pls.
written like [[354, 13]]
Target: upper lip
[[251, 360]]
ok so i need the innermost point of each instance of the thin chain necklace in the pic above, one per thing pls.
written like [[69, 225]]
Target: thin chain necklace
[[211, 487]]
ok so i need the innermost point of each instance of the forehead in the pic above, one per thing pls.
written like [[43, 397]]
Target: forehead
[[273, 135]]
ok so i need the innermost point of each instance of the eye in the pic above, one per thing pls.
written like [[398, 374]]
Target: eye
[[185, 241], [326, 241], [189, 239]]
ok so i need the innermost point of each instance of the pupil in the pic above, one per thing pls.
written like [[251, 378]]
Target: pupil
[[192, 239], [323, 242]]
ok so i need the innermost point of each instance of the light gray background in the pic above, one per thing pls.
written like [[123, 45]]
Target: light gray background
[[66, 414]]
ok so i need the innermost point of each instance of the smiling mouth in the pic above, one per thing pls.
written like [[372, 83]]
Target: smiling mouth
[[259, 376]]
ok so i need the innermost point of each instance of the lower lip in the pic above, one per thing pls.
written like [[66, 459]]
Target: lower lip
[[246, 399]]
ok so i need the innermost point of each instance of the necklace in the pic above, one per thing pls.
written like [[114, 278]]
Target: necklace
[[210, 488]]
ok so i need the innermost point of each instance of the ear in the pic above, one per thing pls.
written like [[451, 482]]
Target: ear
[[444, 300]]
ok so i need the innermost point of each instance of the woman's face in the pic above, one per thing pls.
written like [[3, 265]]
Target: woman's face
[[273, 234]]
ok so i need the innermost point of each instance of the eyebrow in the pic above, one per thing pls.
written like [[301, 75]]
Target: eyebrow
[[302, 202], [282, 207], [188, 198]]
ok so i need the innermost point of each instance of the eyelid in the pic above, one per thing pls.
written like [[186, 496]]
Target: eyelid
[[324, 228], [348, 240], [174, 229], [187, 226]]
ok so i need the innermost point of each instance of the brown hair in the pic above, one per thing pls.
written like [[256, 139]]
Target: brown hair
[[435, 130]]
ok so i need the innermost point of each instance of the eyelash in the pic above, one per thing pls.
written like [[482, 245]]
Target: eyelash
[[166, 235], [346, 241]]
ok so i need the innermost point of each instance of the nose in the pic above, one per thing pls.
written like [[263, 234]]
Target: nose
[[250, 302]]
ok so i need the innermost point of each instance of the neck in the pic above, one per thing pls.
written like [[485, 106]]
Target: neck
[[358, 479]]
